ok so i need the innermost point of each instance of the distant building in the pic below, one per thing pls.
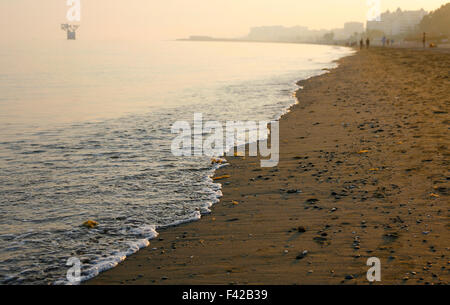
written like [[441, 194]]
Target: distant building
[[303, 34], [350, 28], [353, 27], [278, 33], [398, 22]]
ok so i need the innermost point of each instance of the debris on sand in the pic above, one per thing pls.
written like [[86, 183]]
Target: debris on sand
[[293, 191], [301, 229], [302, 255], [312, 200], [218, 161], [90, 224]]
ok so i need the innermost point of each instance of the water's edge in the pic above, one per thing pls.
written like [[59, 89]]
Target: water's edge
[[215, 187]]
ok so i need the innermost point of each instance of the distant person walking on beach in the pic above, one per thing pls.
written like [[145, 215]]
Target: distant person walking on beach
[[424, 40], [361, 44], [383, 40], [367, 42]]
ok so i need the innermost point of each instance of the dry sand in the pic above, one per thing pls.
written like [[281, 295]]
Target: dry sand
[[364, 169]]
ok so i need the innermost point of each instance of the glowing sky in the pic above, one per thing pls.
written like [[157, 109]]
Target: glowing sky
[[169, 19]]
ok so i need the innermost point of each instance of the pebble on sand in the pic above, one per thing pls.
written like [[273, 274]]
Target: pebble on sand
[[302, 255], [301, 229]]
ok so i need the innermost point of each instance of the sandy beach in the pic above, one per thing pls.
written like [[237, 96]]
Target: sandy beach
[[363, 172]]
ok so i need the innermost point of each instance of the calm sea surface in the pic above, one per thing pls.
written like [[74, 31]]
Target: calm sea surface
[[85, 133]]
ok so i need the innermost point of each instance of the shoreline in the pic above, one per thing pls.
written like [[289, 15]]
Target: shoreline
[[258, 240], [333, 64]]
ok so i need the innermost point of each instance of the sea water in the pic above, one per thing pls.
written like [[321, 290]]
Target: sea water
[[85, 134]]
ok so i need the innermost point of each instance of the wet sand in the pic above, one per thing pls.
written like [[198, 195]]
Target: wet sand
[[363, 172]]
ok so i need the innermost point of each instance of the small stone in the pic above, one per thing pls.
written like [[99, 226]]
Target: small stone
[[293, 191], [301, 229], [312, 200], [349, 277], [302, 255]]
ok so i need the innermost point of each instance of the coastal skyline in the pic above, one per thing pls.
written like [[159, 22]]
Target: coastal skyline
[[26, 20]]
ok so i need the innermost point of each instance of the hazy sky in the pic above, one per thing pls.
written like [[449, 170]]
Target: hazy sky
[[169, 19]]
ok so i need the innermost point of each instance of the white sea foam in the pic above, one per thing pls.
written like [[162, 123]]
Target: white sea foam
[[148, 232]]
